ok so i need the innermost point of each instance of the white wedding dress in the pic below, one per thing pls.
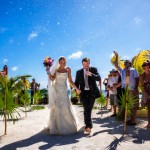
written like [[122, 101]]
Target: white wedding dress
[[62, 118]]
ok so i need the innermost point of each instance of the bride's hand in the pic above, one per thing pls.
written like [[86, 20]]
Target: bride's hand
[[78, 91], [48, 70]]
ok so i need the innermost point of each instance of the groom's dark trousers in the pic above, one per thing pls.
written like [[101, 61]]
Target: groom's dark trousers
[[88, 102], [87, 97]]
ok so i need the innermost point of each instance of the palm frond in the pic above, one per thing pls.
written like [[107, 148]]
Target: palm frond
[[101, 100], [143, 56], [25, 98], [120, 62], [126, 98], [37, 97]]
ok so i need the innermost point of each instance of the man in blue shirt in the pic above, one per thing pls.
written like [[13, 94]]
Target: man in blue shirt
[[129, 78]]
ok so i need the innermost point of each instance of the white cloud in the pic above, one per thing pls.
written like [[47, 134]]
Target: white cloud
[[137, 20], [15, 68], [32, 35], [75, 55], [5, 61]]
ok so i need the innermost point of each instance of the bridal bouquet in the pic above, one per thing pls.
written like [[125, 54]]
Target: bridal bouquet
[[48, 62]]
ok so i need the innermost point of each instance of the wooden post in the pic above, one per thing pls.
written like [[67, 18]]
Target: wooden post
[[24, 81], [126, 108], [101, 111], [5, 69], [5, 104], [126, 98], [125, 115]]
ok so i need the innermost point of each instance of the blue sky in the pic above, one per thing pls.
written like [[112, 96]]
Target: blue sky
[[30, 30]]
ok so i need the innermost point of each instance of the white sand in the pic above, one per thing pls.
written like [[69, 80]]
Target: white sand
[[29, 134]]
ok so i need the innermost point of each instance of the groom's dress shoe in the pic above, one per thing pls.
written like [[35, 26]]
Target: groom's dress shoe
[[88, 130]]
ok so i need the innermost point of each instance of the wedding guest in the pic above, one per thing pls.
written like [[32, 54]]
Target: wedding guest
[[145, 83], [105, 82], [4, 71], [118, 86], [113, 80], [34, 86], [130, 79]]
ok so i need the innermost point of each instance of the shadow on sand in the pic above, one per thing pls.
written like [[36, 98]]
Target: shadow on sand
[[48, 140], [134, 134]]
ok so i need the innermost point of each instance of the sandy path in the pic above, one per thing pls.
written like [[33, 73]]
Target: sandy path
[[29, 134]]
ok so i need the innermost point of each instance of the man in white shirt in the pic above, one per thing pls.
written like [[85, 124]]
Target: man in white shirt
[[129, 78]]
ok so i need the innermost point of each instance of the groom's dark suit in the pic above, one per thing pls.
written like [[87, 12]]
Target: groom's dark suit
[[88, 96]]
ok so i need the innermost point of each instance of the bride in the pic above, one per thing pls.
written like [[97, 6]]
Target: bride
[[62, 119]]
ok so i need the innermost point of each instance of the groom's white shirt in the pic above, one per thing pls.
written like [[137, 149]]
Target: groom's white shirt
[[84, 79]]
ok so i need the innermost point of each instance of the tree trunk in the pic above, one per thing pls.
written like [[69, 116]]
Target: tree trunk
[[125, 118]]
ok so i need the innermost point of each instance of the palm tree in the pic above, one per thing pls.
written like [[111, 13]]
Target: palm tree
[[8, 106], [138, 60], [25, 84], [37, 97]]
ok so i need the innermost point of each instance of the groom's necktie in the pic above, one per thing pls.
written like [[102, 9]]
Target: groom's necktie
[[86, 81]]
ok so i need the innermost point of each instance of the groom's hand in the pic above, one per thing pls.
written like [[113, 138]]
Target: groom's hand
[[88, 73]]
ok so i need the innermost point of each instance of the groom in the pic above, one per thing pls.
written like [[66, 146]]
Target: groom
[[86, 80]]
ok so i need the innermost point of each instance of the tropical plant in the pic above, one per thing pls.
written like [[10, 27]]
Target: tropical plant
[[8, 107], [24, 98], [74, 95], [126, 104], [37, 107], [100, 102], [24, 86], [44, 95], [138, 60], [8, 93], [37, 97], [120, 62]]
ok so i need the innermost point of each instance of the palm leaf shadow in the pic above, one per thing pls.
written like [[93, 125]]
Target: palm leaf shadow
[[113, 145]]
